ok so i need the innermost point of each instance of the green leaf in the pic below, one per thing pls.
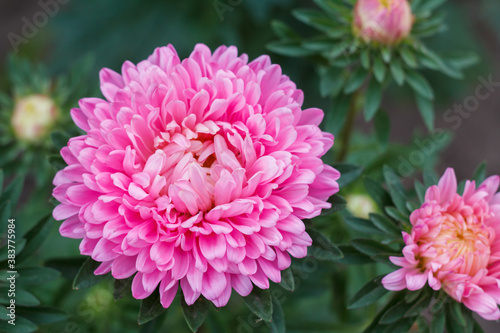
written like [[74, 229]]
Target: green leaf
[[396, 189], [371, 247], [439, 303], [397, 71], [426, 111], [419, 306], [365, 58], [331, 81], [373, 99], [480, 173], [22, 325], [290, 48], [438, 323], [86, 277], [195, 314], [5, 214], [260, 303], [150, 308], [282, 30], [430, 5], [153, 326], [337, 50], [68, 267], [420, 191], [13, 191], [397, 215], [384, 224], [322, 247], [41, 315], [37, 275], [463, 60], [377, 192], [395, 312], [338, 203], [22, 297], [454, 310], [35, 237], [433, 61], [430, 177], [379, 69], [315, 18], [355, 80], [335, 119], [411, 296], [419, 84], [122, 288], [351, 256], [336, 9], [408, 57], [402, 325], [278, 321], [349, 173], [1, 180], [57, 162], [362, 225], [319, 44], [59, 139], [382, 128], [369, 294], [386, 54], [287, 279]]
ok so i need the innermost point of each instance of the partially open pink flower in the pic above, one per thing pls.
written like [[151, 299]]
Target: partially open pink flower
[[196, 171], [453, 245], [383, 21]]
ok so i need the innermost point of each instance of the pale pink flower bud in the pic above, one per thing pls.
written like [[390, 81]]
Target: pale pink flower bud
[[383, 21], [361, 205], [33, 116]]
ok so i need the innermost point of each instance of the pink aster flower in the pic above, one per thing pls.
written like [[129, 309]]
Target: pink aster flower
[[453, 245], [383, 21], [195, 172]]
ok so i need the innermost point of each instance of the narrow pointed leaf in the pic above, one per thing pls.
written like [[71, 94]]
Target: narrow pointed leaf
[[349, 172], [260, 303], [195, 314], [369, 294], [122, 288], [35, 237], [85, 277], [385, 224], [373, 99], [322, 247], [396, 189], [150, 308], [419, 84], [287, 279]]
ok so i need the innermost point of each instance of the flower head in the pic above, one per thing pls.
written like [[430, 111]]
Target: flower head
[[195, 172], [361, 205], [453, 245], [383, 21], [33, 117]]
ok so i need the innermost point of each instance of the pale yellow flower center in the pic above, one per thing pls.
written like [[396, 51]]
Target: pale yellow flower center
[[33, 116], [466, 241]]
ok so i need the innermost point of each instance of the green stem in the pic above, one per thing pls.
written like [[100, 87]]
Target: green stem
[[346, 134]]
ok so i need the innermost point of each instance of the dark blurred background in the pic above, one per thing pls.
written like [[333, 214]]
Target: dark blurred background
[[60, 33]]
